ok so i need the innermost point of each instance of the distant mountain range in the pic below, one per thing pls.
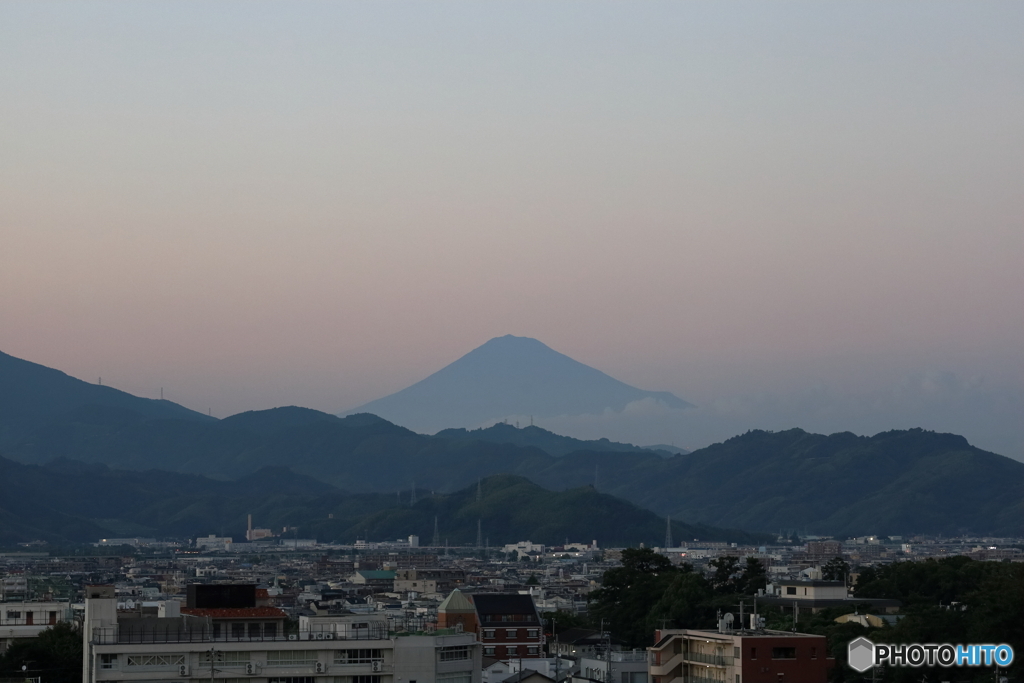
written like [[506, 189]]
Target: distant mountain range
[[549, 442], [897, 482], [32, 395], [504, 377], [69, 501]]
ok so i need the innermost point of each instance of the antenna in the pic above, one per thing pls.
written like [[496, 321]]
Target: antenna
[[437, 537], [668, 531], [479, 534]]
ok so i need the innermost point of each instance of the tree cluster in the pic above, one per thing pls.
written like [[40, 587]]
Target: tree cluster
[[649, 592], [55, 656]]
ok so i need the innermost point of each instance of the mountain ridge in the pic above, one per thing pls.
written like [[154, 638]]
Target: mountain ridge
[[508, 376], [67, 501], [895, 482], [31, 393]]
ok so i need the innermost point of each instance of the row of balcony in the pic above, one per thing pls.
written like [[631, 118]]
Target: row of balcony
[[663, 667]]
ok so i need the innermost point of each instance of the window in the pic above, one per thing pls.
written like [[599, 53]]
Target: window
[[254, 630], [224, 657], [364, 656], [737, 678], [634, 677], [154, 660], [488, 632], [292, 679], [783, 653], [453, 653], [814, 653], [237, 630], [753, 653], [292, 658], [488, 651], [531, 650], [369, 679], [459, 677], [11, 614], [736, 652], [108, 661], [790, 590], [532, 633], [510, 633], [270, 630], [510, 651]]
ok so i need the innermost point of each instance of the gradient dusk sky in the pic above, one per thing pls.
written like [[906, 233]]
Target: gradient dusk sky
[[790, 214]]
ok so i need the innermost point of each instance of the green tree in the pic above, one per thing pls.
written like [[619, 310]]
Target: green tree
[[754, 576], [55, 656], [628, 593], [685, 603], [835, 569], [724, 577]]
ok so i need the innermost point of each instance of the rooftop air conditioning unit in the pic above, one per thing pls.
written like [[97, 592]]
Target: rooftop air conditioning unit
[[376, 666], [318, 636], [293, 636], [183, 670], [250, 669], [321, 668], [328, 636]]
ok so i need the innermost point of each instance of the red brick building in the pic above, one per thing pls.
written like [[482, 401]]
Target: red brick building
[[507, 624]]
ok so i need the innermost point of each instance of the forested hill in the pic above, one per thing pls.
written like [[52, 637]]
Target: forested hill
[[32, 395], [71, 501], [549, 442], [898, 482]]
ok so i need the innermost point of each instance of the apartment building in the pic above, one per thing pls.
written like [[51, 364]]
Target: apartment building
[[182, 646], [507, 624], [29, 619], [742, 656]]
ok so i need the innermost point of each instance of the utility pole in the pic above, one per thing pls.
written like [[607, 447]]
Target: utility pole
[[608, 657], [554, 634]]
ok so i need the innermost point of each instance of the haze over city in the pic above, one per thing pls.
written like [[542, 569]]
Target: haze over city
[[797, 216]]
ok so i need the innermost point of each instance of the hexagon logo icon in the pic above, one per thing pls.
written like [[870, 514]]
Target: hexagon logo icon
[[861, 654]]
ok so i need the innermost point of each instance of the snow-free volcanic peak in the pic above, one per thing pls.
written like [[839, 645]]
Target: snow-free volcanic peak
[[509, 376]]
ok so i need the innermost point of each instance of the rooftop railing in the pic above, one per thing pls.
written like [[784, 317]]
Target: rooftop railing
[[141, 634]]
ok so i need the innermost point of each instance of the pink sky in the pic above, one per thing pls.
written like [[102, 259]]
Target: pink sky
[[319, 205]]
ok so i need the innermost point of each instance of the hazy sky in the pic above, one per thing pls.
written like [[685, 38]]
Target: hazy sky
[[799, 214]]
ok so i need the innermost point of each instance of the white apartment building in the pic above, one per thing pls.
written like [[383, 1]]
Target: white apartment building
[[29, 619], [345, 648]]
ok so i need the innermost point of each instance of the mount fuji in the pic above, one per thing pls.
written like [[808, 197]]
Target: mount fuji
[[509, 376]]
